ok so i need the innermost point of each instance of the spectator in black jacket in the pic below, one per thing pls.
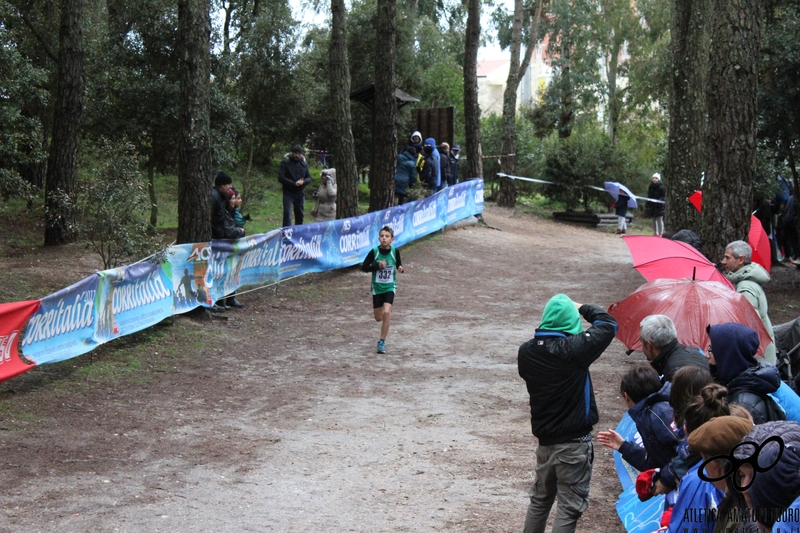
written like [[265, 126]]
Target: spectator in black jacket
[[555, 367], [444, 164], [661, 347], [222, 224], [294, 176], [428, 175], [454, 154]]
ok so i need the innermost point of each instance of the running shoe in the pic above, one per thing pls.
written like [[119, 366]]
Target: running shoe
[[381, 347]]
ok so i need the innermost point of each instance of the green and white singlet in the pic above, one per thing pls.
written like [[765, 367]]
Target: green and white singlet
[[385, 279]]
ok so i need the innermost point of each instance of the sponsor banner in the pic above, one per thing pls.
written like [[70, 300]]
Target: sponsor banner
[[637, 516], [253, 260], [301, 249], [191, 276], [132, 298], [353, 239], [257, 260], [63, 327], [12, 319], [428, 216], [399, 219], [124, 300], [460, 202]]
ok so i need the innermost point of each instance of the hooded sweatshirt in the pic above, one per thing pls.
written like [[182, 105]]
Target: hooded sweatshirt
[[734, 347], [555, 367], [438, 170], [749, 282], [560, 314]]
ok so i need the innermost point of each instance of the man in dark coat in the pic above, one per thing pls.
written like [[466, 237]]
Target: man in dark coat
[[454, 151], [656, 210], [222, 223], [555, 367], [661, 347], [294, 176]]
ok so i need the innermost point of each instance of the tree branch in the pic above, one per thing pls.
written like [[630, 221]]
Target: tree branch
[[533, 38], [40, 37]]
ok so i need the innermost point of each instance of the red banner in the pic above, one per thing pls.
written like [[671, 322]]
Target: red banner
[[13, 317]]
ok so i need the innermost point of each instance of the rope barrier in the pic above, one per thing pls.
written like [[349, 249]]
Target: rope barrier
[[534, 180]]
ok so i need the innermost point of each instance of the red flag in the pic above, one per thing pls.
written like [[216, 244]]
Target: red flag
[[696, 199], [12, 318]]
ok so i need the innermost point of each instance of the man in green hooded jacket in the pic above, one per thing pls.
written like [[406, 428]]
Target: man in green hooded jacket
[[555, 367], [749, 280]]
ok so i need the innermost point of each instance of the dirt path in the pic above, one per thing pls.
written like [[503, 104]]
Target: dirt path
[[283, 418]]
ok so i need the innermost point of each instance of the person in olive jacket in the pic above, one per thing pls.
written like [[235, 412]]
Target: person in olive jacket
[[555, 367], [294, 176]]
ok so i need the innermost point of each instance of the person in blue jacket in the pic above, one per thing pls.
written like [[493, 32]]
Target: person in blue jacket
[[437, 170], [405, 174], [648, 407]]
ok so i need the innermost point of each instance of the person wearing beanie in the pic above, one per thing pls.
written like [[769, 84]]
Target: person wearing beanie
[[453, 158], [555, 366], [657, 209], [222, 224], [293, 175], [698, 500], [777, 487]]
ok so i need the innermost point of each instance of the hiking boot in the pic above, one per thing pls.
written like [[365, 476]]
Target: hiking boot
[[381, 347], [233, 302]]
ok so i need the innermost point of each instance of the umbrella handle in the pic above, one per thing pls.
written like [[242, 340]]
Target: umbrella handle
[[694, 273]]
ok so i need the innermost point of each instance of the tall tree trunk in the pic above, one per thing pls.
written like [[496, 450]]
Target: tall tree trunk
[[472, 110], [686, 149], [344, 152], [507, 196], [62, 161], [732, 112], [613, 101], [194, 145], [567, 114], [381, 192]]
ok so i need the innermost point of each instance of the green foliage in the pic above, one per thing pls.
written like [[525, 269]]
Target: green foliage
[[21, 92], [779, 87], [585, 158], [113, 205]]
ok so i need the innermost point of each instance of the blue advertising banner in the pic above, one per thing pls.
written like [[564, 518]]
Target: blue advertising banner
[[124, 300], [637, 516], [63, 327], [132, 298], [259, 259], [191, 276]]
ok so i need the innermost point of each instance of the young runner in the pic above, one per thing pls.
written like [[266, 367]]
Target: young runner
[[384, 263]]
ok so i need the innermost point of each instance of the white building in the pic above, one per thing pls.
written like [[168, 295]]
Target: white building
[[492, 76]]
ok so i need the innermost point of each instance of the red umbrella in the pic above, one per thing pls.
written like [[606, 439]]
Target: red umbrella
[[692, 305], [759, 242], [656, 257]]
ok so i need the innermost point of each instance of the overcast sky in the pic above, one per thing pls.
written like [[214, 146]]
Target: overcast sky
[[307, 16]]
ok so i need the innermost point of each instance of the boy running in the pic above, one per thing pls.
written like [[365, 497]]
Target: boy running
[[384, 263]]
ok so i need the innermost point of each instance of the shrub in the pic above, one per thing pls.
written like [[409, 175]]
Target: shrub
[[113, 206]]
